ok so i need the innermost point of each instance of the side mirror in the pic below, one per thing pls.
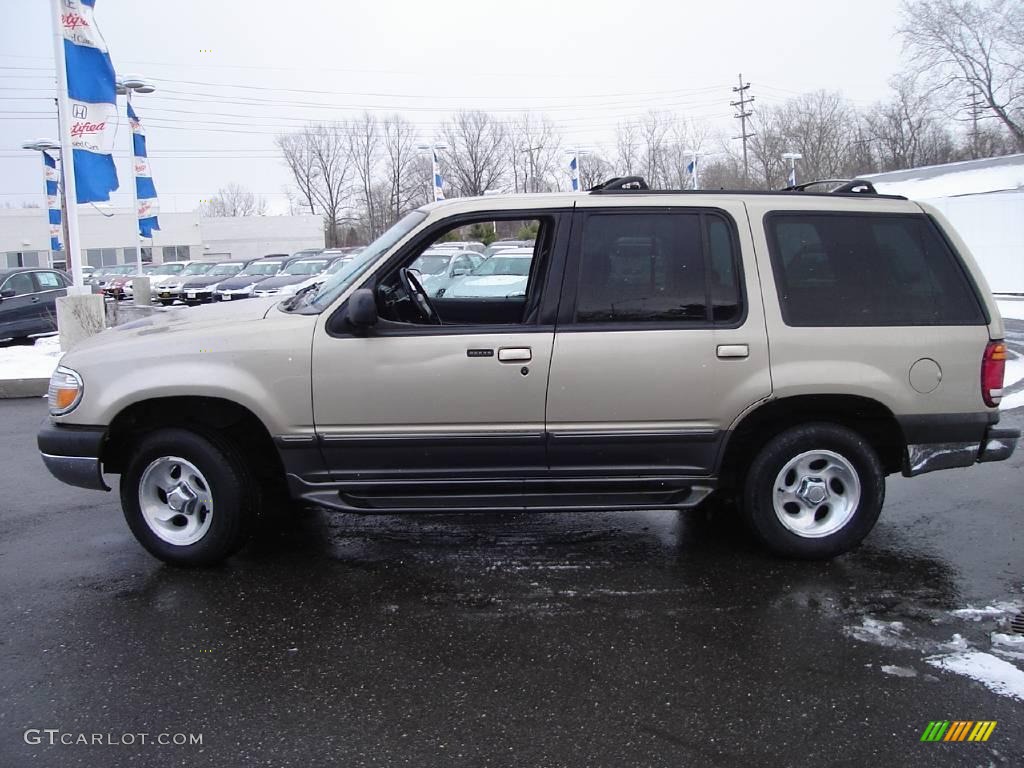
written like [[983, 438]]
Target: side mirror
[[460, 271], [362, 309], [7, 294]]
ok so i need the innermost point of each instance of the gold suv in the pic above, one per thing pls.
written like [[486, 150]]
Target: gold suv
[[784, 350]]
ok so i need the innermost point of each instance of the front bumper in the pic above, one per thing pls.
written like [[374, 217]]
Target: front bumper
[[997, 444], [198, 296], [72, 454]]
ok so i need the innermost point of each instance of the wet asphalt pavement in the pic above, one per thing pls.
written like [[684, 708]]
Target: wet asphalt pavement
[[633, 639]]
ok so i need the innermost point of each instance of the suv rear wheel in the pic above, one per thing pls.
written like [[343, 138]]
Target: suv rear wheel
[[189, 497], [814, 491]]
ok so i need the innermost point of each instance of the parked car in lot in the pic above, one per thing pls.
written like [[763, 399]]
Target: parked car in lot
[[438, 267], [169, 290], [167, 273], [199, 289], [297, 272], [633, 372], [104, 276], [504, 245], [504, 274], [28, 300], [119, 286], [243, 285]]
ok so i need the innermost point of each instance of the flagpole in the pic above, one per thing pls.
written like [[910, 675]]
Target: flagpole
[[67, 155], [135, 189]]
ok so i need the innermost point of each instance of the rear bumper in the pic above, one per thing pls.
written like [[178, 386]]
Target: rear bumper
[[996, 444], [72, 454]]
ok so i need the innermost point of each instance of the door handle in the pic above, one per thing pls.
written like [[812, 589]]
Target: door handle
[[514, 354], [35, 299], [733, 351]]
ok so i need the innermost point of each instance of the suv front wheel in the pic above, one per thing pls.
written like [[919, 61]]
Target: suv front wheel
[[189, 497], [814, 491]]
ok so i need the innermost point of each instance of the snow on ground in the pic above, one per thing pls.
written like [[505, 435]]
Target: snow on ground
[[994, 673], [988, 612], [954, 179], [30, 362], [1011, 308]]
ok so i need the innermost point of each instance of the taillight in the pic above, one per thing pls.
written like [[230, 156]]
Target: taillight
[[993, 366]]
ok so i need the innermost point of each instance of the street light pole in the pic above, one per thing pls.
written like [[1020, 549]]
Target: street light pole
[[127, 86], [42, 146], [792, 157]]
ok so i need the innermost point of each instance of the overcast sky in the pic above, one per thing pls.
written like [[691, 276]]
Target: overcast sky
[[231, 75]]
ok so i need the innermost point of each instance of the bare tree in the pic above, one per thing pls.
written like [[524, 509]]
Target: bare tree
[[476, 158], [298, 156], [364, 137], [626, 148], [654, 132], [905, 129], [233, 200], [324, 170], [820, 126], [536, 153], [972, 47], [594, 169], [766, 147], [405, 176]]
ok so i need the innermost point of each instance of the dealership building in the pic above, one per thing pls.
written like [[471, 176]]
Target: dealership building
[[108, 237]]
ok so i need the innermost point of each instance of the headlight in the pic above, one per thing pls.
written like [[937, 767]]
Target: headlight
[[65, 391], [289, 288], [247, 289]]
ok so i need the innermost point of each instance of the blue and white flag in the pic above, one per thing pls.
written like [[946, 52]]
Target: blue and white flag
[[92, 95], [689, 167], [438, 181], [52, 200], [792, 177], [145, 192], [574, 173]]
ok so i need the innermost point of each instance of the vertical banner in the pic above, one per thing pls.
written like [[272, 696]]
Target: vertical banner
[[92, 97], [52, 200], [574, 172], [145, 191], [438, 181]]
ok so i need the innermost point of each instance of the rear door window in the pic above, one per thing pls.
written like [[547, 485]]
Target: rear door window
[[847, 269]]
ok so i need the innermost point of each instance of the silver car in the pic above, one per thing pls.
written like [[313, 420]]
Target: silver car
[[503, 275]]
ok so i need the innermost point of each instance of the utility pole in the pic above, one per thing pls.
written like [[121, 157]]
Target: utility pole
[[975, 106], [742, 116]]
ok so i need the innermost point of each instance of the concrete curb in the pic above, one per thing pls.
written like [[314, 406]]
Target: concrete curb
[[10, 388]]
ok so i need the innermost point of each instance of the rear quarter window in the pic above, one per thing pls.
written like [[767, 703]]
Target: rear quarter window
[[847, 269]]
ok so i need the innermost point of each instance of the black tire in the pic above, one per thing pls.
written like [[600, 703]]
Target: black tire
[[166, 302], [758, 507], [234, 491]]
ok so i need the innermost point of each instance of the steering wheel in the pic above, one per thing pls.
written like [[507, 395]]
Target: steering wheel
[[418, 295]]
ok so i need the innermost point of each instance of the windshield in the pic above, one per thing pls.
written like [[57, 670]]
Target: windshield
[[504, 265], [262, 268], [224, 269], [168, 269], [336, 266], [197, 269], [431, 264], [312, 267], [352, 270]]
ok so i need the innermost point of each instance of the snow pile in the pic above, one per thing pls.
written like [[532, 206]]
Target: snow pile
[[1012, 309], [989, 611], [958, 179], [995, 674], [887, 633], [34, 362]]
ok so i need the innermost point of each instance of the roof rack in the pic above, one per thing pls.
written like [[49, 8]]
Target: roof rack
[[845, 186], [621, 182]]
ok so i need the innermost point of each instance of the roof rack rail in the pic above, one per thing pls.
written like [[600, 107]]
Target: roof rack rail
[[619, 183], [845, 186]]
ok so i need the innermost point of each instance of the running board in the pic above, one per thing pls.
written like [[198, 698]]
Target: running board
[[631, 494]]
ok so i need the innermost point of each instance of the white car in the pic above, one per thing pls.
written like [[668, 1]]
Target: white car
[[504, 275], [438, 267]]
